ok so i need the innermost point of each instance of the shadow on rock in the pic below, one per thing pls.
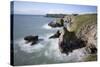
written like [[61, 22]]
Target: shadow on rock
[[70, 42]]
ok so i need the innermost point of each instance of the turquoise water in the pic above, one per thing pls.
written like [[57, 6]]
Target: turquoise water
[[44, 52]]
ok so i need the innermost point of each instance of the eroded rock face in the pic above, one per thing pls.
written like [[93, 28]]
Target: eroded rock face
[[32, 39], [85, 38], [69, 22], [69, 42], [88, 33]]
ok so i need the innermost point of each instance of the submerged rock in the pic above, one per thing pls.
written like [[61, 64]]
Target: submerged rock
[[32, 39], [56, 35]]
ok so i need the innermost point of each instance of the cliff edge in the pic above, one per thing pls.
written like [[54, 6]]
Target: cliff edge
[[78, 32]]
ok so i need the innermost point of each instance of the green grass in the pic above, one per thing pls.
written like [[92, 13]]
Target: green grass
[[92, 57], [81, 20]]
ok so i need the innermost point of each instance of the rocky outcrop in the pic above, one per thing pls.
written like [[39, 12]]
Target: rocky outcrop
[[56, 23], [68, 42], [78, 32], [88, 33], [56, 35], [55, 15], [32, 39]]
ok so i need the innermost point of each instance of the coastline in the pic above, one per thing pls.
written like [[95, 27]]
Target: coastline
[[81, 25]]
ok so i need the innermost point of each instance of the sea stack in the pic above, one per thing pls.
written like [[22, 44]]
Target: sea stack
[[32, 39]]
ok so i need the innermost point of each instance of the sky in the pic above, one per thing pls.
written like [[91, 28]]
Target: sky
[[37, 8]]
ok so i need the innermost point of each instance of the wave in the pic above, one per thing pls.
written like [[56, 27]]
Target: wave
[[50, 49], [35, 48], [28, 48], [45, 26]]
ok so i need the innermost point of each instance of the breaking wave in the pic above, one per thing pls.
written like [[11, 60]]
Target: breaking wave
[[50, 49]]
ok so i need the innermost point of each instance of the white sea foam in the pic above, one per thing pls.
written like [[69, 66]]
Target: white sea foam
[[28, 48], [54, 53], [50, 49], [45, 26]]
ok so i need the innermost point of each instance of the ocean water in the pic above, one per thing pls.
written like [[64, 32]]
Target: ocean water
[[44, 52]]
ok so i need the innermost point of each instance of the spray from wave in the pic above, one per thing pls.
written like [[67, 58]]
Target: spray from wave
[[50, 49]]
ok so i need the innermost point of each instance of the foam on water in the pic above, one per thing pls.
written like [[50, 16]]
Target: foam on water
[[45, 26], [28, 48], [50, 49], [35, 48]]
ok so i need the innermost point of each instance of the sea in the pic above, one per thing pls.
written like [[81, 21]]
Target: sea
[[44, 52]]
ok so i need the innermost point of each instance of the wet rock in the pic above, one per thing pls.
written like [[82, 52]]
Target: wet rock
[[56, 35], [32, 39], [57, 23]]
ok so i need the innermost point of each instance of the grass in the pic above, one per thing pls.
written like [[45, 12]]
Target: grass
[[91, 57], [81, 20]]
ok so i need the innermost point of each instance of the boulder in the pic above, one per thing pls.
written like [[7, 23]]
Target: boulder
[[32, 39]]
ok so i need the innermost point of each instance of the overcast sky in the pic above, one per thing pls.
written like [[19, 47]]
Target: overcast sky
[[35, 8]]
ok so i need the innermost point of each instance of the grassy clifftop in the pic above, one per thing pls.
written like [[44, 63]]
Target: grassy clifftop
[[82, 20], [79, 31]]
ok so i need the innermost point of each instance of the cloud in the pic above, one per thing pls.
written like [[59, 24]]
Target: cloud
[[44, 8], [29, 11]]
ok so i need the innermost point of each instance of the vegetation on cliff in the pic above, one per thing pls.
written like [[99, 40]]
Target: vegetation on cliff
[[56, 15], [79, 31]]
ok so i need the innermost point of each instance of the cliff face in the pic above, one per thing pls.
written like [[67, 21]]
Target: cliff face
[[87, 31], [79, 32]]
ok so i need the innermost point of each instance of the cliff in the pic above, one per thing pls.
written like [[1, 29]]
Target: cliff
[[59, 15], [55, 15], [79, 31]]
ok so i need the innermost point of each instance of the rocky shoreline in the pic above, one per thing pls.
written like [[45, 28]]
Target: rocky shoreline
[[76, 32], [83, 37]]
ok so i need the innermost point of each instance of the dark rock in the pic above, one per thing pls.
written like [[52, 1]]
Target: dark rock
[[70, 42], [91, 49], [56, 35], [53, 24], [32, 39], [56, 24], [56, 15], [75, 14]]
